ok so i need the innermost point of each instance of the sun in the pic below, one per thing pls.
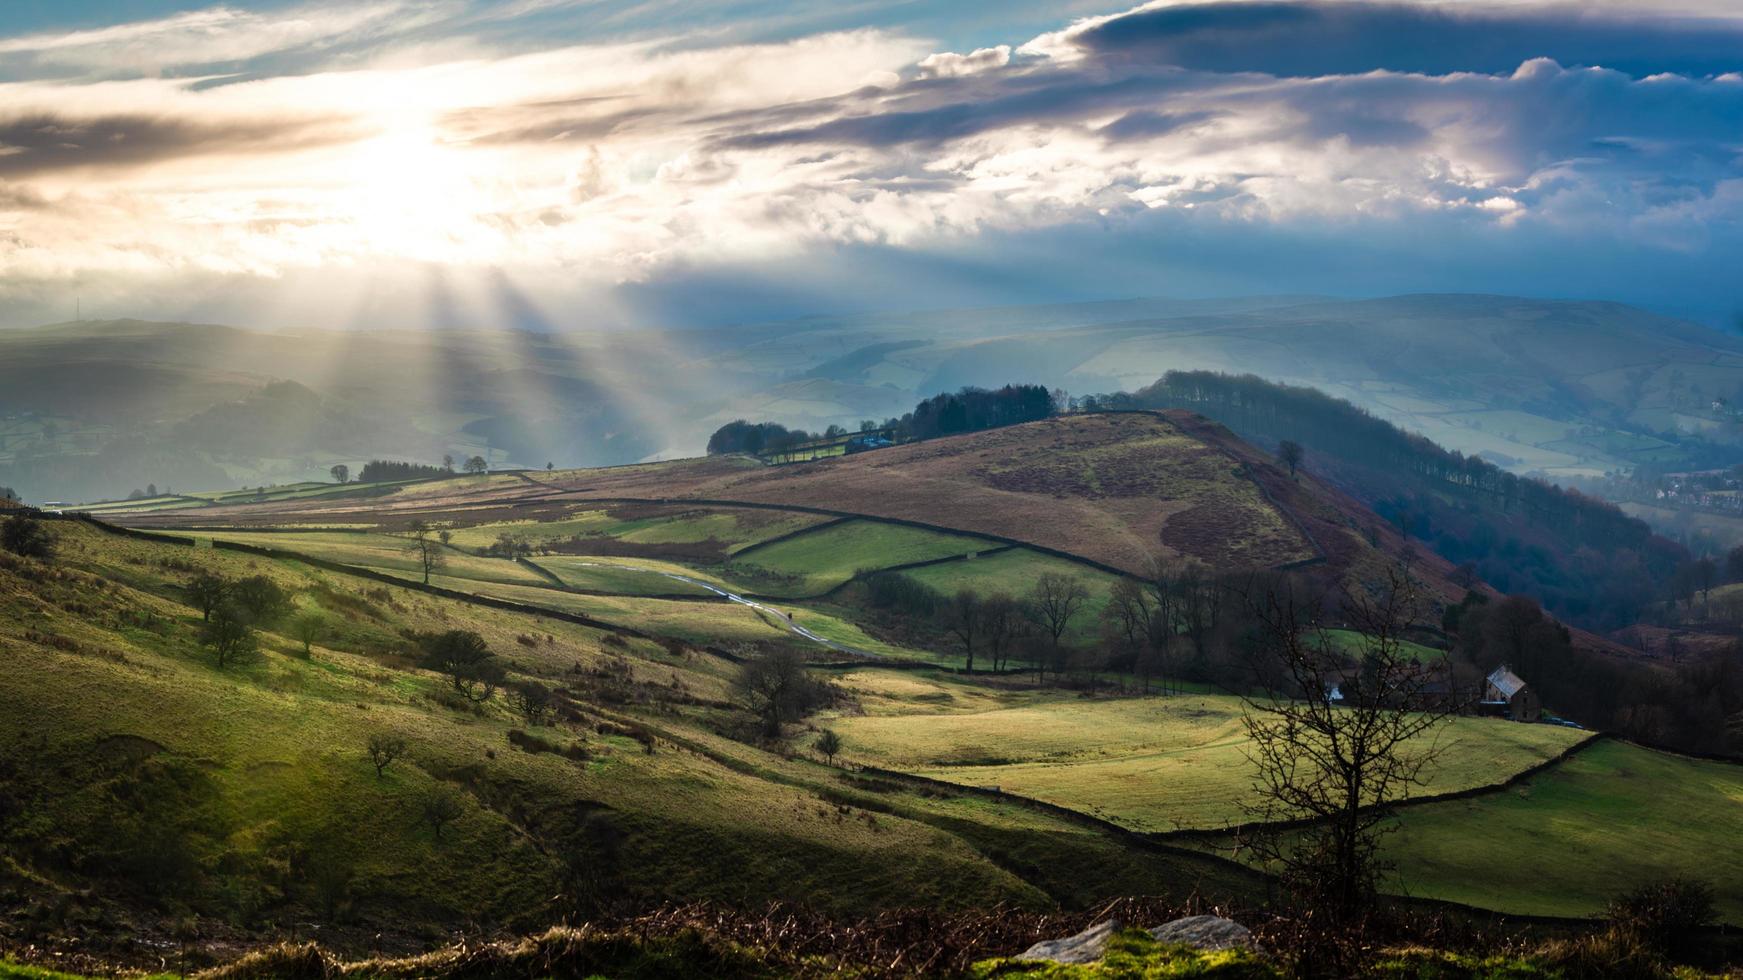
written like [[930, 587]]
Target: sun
[[409, 193]]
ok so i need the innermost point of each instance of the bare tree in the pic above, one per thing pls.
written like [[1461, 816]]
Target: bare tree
[[534, 701], [1001, 623], [778, 689], [383, 750], [447, 461], [477, 466], [1054, 603], [341, 473], [1126, 623], [1340, 762], [962, 617], [1291, 453], [426, 546]]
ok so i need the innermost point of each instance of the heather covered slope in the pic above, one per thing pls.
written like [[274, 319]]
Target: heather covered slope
[[1113, 489]]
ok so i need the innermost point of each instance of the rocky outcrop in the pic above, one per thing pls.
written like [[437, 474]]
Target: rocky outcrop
[[1202, 932], [1206, 932], [1085, 947]]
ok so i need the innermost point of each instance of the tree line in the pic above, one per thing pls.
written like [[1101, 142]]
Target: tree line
[[949, 413]]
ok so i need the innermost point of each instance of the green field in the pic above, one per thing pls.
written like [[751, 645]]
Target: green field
[[625, 576], [161, 777], [1612, 817], [820, 560], [1150, 764], [1014, 573]]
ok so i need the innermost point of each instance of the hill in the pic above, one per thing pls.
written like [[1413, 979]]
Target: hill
[[1566, 388], [145, 783]]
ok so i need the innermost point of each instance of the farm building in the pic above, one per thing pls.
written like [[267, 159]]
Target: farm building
[[1507, 688]]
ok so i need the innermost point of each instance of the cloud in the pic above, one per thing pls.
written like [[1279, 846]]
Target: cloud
[[1328, 37], [624, 161], [42, 142]]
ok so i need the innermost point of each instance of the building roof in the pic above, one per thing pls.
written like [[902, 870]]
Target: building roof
[[1505, 681]]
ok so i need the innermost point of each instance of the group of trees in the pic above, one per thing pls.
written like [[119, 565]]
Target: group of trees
[[949, 413], [233, 611], [390, 470], [778, 689]]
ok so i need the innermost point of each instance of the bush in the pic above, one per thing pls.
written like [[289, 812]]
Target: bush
[[28, 537], [1663, 916]]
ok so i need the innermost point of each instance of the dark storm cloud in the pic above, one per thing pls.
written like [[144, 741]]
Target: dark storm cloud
[[1328, 38], [44, 142]]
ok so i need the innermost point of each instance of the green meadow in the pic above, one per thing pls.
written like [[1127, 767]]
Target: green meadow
[[820, 560]]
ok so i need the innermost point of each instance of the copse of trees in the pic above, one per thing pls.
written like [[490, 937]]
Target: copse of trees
[[388, 470], [778, 690], [948, 413], [755, 438]]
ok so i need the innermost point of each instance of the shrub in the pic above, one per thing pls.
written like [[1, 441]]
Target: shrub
[[28, 537], [1663, 916]]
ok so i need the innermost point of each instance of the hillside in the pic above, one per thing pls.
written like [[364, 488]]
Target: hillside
[[145, 783]]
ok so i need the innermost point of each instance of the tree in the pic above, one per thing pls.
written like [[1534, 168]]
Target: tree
[[962, 617], [1291, 453], [260, 598], [466, 659], [230, 635], [441, 808], [1001, 623], [829, 744], [341, 473], [534, 701], [427, 548], [1054, 603], [308, 628], [549, 466], [448, 462], [208, 591], [27, 537], [383, 749], [477, 466], [1340, 765], [1126, 622], [1734, 564], [778, 690], [1706, 574]]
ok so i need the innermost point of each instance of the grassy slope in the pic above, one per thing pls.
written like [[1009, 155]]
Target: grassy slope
[[817, 561], [737, 529], [255, 776], [385, 552], [1150, 764], [1614, 816]]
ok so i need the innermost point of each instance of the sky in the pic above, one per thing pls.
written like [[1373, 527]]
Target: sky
[[680, 163]]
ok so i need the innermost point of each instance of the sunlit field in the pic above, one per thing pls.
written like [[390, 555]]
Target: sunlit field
[[1151, 764]]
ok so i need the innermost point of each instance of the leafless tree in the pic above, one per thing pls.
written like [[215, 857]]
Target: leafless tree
[[778, 689], [426, 546], [1053, 604], [963, 617], [1340, 762], [1291, 453], [1001, 622]]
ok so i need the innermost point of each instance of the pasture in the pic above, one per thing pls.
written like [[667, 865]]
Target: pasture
[[385, 552], [817, 561], [1151, 764], [1612, 817]]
